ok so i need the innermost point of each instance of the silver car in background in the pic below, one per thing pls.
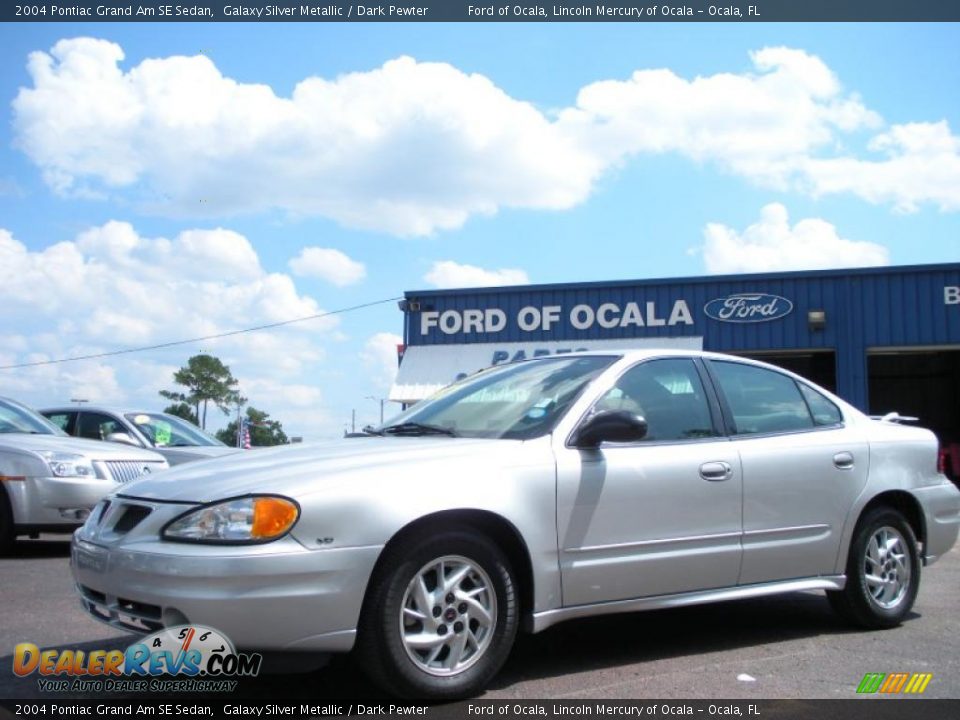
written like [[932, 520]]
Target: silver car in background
[[176, 439], [523, 496], [50, 482]]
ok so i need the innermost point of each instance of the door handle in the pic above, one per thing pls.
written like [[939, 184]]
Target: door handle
[[843, 460], [716, 471]]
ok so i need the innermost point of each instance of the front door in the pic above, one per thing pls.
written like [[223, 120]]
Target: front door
[[658, 516]]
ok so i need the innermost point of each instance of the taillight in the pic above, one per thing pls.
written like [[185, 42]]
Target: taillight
[[942, 460]]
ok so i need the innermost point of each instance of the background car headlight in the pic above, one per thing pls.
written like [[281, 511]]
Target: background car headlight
[[254, 519], [68, 464]]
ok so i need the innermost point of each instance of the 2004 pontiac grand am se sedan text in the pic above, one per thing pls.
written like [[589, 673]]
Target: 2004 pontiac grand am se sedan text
[[526, 495]]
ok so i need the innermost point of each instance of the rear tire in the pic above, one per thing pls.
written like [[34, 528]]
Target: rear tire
[[883, 572], [440, 616], [7, 533]]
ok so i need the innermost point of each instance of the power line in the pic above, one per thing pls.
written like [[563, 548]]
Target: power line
[[174, 343]]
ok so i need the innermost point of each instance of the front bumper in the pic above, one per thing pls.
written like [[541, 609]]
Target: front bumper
[[52, 501], [278, 596]]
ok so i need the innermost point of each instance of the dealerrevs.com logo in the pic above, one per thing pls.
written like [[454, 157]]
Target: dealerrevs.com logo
[[199, 659]]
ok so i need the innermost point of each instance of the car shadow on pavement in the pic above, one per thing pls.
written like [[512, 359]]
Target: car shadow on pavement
[[620, 640], [42, 548], [572, 647]]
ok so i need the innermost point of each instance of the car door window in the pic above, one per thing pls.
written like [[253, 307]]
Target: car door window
[[824, 412], [97, 426], [668, 394], [66, 421], [762, 400]]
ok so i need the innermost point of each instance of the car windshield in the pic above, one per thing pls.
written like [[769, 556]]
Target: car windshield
[[163, 430], [520, 401], [17, 418]]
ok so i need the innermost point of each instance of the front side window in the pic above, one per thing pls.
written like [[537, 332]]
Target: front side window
[[668, 394], [97, 426], [761, 400], [519, 401]]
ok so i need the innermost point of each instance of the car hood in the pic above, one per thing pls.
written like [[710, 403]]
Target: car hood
[[93, 449], [307, 468], [186, 453]]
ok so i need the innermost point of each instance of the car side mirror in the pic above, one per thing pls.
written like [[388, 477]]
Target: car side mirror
[[609, 426], [122, 438]]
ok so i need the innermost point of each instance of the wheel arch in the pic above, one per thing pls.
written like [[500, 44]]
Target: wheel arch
[[495, 527], [907, 505]]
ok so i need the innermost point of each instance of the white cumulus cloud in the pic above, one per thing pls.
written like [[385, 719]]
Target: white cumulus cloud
[[379, 355], [413, 148], [328, 264], [772, 243], [450, 274]]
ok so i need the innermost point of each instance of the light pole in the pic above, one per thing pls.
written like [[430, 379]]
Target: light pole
[[376, 399]]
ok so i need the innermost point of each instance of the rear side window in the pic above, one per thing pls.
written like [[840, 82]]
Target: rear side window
[[824, 412], [761, 400], [64, 420]]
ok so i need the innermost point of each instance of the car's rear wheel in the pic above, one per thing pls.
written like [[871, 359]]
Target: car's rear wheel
[[440, 616], [7, 534], [883, 571]]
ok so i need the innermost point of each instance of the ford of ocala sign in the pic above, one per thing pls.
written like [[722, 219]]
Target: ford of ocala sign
[[748, 307]]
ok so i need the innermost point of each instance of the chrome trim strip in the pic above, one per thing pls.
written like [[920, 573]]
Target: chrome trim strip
[[542, 620], [653, 543], [783, 530]]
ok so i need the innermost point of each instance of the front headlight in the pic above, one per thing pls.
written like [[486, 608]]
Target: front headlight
[[254, 519], [68, 465]]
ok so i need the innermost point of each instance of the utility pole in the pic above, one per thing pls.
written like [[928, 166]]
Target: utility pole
[[353, 421], [376, 399]]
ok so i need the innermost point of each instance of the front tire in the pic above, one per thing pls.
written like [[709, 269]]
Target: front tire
[[440, 616], [883, 572]]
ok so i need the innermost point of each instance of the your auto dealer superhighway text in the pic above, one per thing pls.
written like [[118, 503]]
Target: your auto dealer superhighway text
[[304, 710]]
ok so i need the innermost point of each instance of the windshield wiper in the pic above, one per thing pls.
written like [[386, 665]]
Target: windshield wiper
[[416, 428]]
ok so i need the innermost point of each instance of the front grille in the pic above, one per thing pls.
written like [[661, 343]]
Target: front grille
[[120, 612], [132, 515], [123, 471]]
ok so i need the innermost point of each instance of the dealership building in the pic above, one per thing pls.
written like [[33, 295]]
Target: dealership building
[[885, 339]]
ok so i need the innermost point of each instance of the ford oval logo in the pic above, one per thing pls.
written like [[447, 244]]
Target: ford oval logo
[[748, 308]]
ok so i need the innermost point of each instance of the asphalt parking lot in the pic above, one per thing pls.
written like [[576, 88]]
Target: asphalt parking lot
[[785, 647]]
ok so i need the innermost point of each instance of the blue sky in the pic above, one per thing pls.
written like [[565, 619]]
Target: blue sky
[[220, 176]]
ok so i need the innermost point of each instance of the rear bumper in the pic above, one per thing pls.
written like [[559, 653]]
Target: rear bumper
[[941, 510]]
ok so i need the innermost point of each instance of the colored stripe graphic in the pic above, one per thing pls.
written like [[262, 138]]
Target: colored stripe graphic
[[913, 683], [918, 683], [894, 682], [871, 682]]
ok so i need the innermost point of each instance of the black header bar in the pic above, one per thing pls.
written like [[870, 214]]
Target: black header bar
[[481, 11]]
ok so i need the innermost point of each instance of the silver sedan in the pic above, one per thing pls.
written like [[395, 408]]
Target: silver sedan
[[50, 482], [524, 496]]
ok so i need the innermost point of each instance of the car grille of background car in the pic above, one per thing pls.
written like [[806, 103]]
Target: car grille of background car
[[126, 470]]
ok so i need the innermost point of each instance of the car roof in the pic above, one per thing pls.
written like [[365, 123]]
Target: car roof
[[116, 410]]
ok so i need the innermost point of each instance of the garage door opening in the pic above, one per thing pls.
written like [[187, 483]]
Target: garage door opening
[[819, 366], [924, 384]]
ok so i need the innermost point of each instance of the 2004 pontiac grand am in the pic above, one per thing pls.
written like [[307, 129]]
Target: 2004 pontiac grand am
[[527, 495]]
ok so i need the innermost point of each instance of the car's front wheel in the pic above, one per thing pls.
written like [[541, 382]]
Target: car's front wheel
[[7, 533], [883, 571], [440, 616]]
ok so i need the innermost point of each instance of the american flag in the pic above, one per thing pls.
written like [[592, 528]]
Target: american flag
[[244, 434]]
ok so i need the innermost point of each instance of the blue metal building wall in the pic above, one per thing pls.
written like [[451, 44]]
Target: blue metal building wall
[[865, 308]]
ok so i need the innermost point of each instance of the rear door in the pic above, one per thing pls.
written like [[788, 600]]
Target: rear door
[[802, 471]]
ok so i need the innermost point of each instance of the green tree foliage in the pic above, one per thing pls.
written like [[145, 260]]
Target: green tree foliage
[[182, 410], [207, 380], [263, 431]]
